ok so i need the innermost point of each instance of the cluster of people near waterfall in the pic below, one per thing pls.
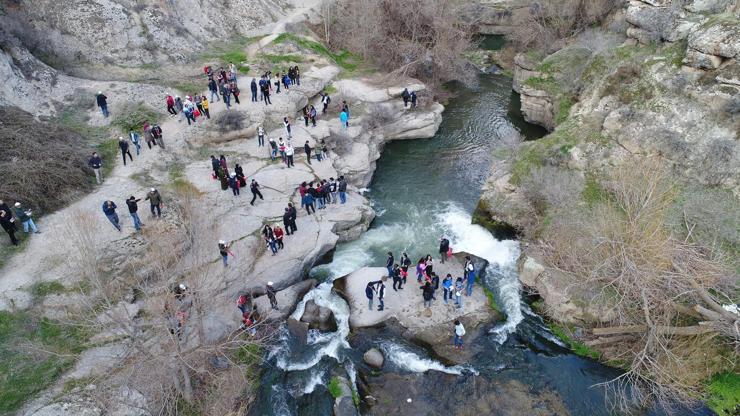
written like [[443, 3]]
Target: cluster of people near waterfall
[[454, 288]]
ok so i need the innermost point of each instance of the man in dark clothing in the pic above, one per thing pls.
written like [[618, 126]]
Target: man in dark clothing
[[444, 247], [253, 87], [8, 222], [109, 209], [397, 278], [293, 216], [286, 222], [389, 264], [266, 92], [155, 201], [342, 190], [102, 101], [435, 285], [123, 145], [133, 207], [271, 295], [405, 95], [369, 292], [413, 99], [307, 149], [255, 188], [325, 100], [95, 164], [213, 88], [215, 165], [381, 294]]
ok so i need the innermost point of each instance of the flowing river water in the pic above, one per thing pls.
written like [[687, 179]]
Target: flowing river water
[[421, 190]]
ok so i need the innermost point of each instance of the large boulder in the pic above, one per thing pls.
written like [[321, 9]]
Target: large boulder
[[319, 317], [713, 42], [373, 357]]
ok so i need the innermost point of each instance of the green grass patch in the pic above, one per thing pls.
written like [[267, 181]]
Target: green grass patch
[[108, 151], [231, 52], [547, 84], [335, 387], [564, 105], [133, 116], [349, 62], [25, 366], [330, 89], [723, 393], [492, 301], [43, 289], [190, 85], [284, 58], [564, 334], [528, 157], [593, 193], [8, 250], [249, 354]]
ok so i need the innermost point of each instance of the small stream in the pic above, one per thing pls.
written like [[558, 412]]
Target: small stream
[[423, 189]]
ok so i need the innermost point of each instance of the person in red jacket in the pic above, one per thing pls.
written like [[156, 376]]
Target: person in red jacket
[[278, 233], [170, 105]]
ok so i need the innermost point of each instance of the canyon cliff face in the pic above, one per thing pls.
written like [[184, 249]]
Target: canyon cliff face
[[668, 88]]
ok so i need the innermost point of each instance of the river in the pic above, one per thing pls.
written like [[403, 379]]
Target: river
[[423, 189]]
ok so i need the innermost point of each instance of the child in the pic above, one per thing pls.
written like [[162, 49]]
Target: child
[[223, 249]]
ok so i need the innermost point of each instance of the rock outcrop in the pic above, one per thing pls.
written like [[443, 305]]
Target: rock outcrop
[[373, 357], [318, 317]]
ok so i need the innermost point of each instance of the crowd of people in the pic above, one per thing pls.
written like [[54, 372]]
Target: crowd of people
[[9, 219], [454, 289]]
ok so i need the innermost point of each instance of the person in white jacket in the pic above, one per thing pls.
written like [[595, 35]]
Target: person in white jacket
[[459, 334]]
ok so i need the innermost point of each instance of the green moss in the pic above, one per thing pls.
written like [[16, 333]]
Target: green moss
[[335, 387], [563, 105], [190, 85], [133, 116], [276, 59], [482, 216], [492, 301], [723, 393], [347, 61], [547, 84], [230, 52], [565, 334], [8, 250], [43, 289], [25, 369], [564, 60], [675, 52], [593, 193], [529, 156]]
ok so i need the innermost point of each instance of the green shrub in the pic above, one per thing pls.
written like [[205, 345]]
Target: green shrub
[[723, 393], [565, 334], [277, 59], [43, 289], [335, 387], [133, 116]]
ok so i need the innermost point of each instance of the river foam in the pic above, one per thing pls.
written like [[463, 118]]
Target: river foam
[[407, 360]]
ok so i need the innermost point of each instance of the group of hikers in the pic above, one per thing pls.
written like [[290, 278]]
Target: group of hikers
[[453, 289], [9, 219], [155, 204]]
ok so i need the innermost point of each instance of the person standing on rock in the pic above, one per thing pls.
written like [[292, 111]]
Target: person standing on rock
[[273, 148], [324, 150], [260, 136], [8, 222], [155, 202], [205, 106], [413, 99], [458, 292], [325, 100], [224, 165], [254, 187], [444, 247], [277, 83], [239, 172], [136, 140], [281, 149], [405, 260], [133, 207], [427, 293], [178, 107], [332, 191], [397, 278], [405, 96], [287, 219], [102, 102], [266, 92], [234, 89], [234, 184], [468, 263], [420, 266], [344, 119], [305, 115], [447, 288], [123, 145], [293, 216], [109, 209], [271, 292], [389, 264], [307, 149], [213, 89], [381, 294], [312, 115], [435, 285], [225, 94], [215, 165], [286, 123], [469, 279], [95, 164], [170, 103], [289, 152], [369, 292], [223, 250], [308, 200], [278, 236], [459, 334], [345, 108], [189, 111], [429, 265], [342, 189], [253, 89]]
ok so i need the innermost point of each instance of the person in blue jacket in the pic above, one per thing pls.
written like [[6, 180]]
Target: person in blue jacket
[[109, 209]]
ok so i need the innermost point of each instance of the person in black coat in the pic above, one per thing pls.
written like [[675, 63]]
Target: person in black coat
[[253, 87], [123, 145], [8, 222]]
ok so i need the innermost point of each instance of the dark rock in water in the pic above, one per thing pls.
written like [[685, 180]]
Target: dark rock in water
[[319, 317], [298, 329], [493, 69], [374, 358]]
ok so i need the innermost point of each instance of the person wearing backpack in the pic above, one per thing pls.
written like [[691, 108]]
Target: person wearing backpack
[[136, 140], [234, 184], [405, 95], [459, 334], [470, 279], [157, 134]]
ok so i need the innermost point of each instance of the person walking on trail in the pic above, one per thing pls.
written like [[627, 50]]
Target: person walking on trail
[[215, 165], [447, 288], [324, 149], [260, 136], [133, 207], [469, 279], [109, 209], [223, 250], [345, 108], [277, 83], [239, 172], [333, 190], [397, 278], [157, 135], [286, 123], [7, 221], [204, 105], [234, 184], [225, 94], [312, 115], [444, 247], [413, 99], [305, 114], [170, 103], [459, 334], [427, 293], [344, 119], [325, 100], [281, 148], [123, 145], [155, 202], [234, 91], [389, 264], [255, 188], [269, 237], [96, 163], [136, 140], [405, 96], [318, 152], [287, 220], [458, 292], [224, 166], [342, 186], [278, 236], [253, 89], [223, 178], [273, 148], [420, 266], [271, 292], [178, 107], [266, 92], [213, 89], [189, 111], [381, 294], [289, 152], [307, 149], [102, 102], [370, 292]]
